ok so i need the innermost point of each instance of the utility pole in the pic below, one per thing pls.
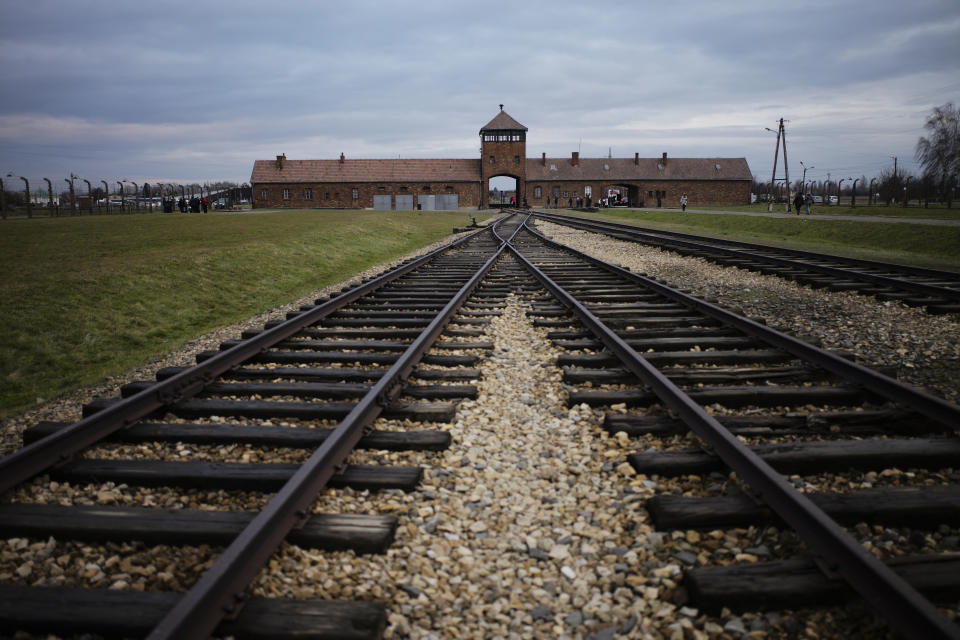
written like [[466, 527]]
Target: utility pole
[[773, 178], [786, 169], [781, 132]]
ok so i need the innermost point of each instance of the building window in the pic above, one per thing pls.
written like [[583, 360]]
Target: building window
[[355, 193], [538, 192], [516, 159], [381, 188], [403, 189], [264, 194], [556, 192], [426, 188], [308, 194], [492, 159], [286, 194], [326, 195], [449, 189], [566, 194]]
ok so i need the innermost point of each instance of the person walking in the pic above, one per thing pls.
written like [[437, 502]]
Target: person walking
[[808, 200], [798, 202], [683, 202]]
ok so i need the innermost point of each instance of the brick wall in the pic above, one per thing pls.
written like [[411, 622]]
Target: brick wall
[[340, 194], [509, 159], [699, 192]]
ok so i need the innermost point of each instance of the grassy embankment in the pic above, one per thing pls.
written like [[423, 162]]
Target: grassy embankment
[[89, 297], [936, 247]]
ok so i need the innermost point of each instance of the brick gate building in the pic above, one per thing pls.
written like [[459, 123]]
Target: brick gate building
[[430, 184]]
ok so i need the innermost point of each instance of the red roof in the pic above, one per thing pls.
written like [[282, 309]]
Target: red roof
[[460, 170], [503, 122], [380, 170]]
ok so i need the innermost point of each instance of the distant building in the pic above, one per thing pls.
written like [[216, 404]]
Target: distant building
[[431, 184]]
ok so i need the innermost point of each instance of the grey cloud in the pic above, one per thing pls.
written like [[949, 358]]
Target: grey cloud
[[201, 89]]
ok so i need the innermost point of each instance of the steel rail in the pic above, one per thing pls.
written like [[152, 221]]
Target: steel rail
[[902, 605], [221, 589], [911, 270], [916, 287], [935, 408], [504, 221], [58, 447]]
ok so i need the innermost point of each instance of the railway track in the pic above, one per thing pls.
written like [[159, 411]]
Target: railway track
[[937, 291], [316, 382], [768, 411], [782, 407]]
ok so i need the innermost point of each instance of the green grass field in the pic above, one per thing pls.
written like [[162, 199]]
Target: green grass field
[[89, 297], [914, 210], [936, 247], [85, 298]]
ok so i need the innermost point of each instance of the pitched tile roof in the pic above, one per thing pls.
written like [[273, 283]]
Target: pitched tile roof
[[503, 121], [607, 169], [462, 170], [377, 170]]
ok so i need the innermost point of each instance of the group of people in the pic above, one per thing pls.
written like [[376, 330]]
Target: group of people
[[195, 204], [800, 201]]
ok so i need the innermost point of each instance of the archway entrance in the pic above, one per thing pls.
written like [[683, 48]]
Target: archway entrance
[[503, 192]]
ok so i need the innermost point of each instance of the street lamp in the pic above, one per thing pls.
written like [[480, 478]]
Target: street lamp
[[27, 182], [73, 194], [50, 193], [89, 196], [26, 191], [804, 178]]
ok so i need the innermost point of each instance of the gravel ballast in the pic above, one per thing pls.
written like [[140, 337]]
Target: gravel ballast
[[924, 349], [532, 525]]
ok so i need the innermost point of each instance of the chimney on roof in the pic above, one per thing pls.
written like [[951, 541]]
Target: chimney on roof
[[575, 158], [280, 160], [342, 157], [663, 161], [544, 158], [636, 158]]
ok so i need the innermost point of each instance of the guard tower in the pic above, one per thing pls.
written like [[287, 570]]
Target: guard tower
[[503, 149]]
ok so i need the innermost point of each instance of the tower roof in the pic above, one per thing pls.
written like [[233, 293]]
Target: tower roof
[[503, 122]]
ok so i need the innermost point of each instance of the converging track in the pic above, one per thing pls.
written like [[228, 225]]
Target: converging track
[[937, 291], [766, 408]]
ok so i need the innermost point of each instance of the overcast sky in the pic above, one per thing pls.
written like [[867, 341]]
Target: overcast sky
[[196, 90]]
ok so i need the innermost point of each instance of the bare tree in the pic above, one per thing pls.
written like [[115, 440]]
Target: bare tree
[[890, 184], [939, 155]]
